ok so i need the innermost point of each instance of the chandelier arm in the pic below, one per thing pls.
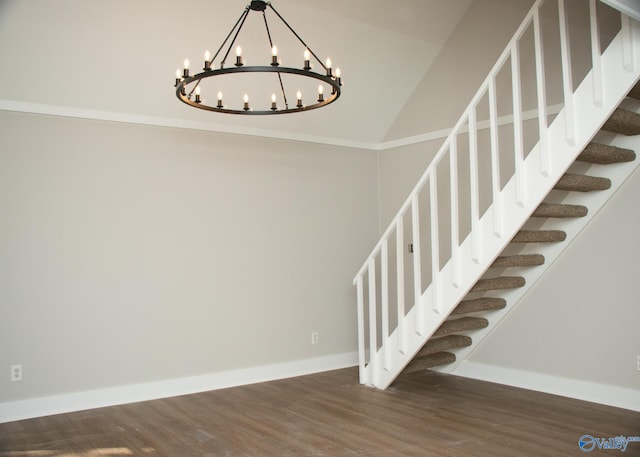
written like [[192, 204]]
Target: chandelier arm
[[266, 25], [194, 89], [297, 36], [284, 94], [241, 20]]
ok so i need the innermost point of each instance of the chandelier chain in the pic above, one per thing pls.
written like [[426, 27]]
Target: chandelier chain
[[241, 18], [244, 18], [297, 36], [284, 95]]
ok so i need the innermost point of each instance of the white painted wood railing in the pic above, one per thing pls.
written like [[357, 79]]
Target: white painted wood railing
[[488, 177]]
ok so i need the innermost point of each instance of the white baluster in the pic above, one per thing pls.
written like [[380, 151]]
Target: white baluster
[[567, 74], [455, 216], [627, 43], [384, 292], [435, 241], [364, 373], [498, 216], [596, 52], [417, 268], [541, 85], [517, 125], [373, 324], [474, 187], [402, 338]]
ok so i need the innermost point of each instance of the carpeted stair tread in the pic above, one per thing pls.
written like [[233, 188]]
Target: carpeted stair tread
[[500, 283], [623, 122], [539, 236], [559, 210], [521, 260], [445, 343], [582, 183], [478, 305], [605, 154], [464, 324], [429, 361]]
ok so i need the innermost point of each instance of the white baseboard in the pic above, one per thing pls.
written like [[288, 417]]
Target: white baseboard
[[619, 397], [65, 403]]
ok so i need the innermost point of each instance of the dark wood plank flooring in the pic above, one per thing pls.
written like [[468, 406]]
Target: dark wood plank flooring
[[330, 414]]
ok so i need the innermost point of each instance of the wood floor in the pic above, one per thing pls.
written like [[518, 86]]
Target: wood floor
[[330, 414]]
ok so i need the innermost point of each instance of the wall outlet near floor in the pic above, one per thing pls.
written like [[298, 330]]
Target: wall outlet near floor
[[315, 338], [16, 373], [638, 363]]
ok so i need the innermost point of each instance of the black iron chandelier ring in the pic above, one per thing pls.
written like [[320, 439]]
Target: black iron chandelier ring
[[187, 97], [188, 86]]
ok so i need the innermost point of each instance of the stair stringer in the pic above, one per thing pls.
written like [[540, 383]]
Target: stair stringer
[[620, 71], [595, 201]]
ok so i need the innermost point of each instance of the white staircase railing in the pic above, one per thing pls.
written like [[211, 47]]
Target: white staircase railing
[[489, 176]]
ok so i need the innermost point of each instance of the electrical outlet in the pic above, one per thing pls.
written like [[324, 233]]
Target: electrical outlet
[[16, 373], [314, 338], [638, 363]]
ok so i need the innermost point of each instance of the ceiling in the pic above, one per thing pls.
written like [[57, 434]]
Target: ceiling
[[117, 60]]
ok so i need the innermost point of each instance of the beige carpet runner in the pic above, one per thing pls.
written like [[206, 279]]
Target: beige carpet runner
[[623, 122], [560, 210]]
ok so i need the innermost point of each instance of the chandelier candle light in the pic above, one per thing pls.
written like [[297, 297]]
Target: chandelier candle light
[[189, 90]]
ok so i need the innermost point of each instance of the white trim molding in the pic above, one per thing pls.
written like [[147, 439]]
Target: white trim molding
[[619, 397], [156, 121], [66, 403], [629, 7], [481, 125]]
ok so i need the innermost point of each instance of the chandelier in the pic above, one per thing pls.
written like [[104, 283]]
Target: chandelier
[[190, 88]]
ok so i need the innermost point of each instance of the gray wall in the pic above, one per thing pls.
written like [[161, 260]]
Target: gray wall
[[443, 94], [132, 254], [461, 66]]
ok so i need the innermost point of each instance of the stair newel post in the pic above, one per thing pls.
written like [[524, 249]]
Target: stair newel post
[[596, 54], [402, 338], [567, 74], [384, 302], [373, 324], [517, 124], [498, 208], [474, 186], [417, 267], [542, 95], [435, 240], [455, 215], [363, 371]]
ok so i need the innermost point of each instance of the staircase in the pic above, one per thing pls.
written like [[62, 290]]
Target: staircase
[[450, 336], [478, 237]]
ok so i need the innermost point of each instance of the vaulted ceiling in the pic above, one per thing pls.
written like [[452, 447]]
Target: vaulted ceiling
[[117, 59]]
